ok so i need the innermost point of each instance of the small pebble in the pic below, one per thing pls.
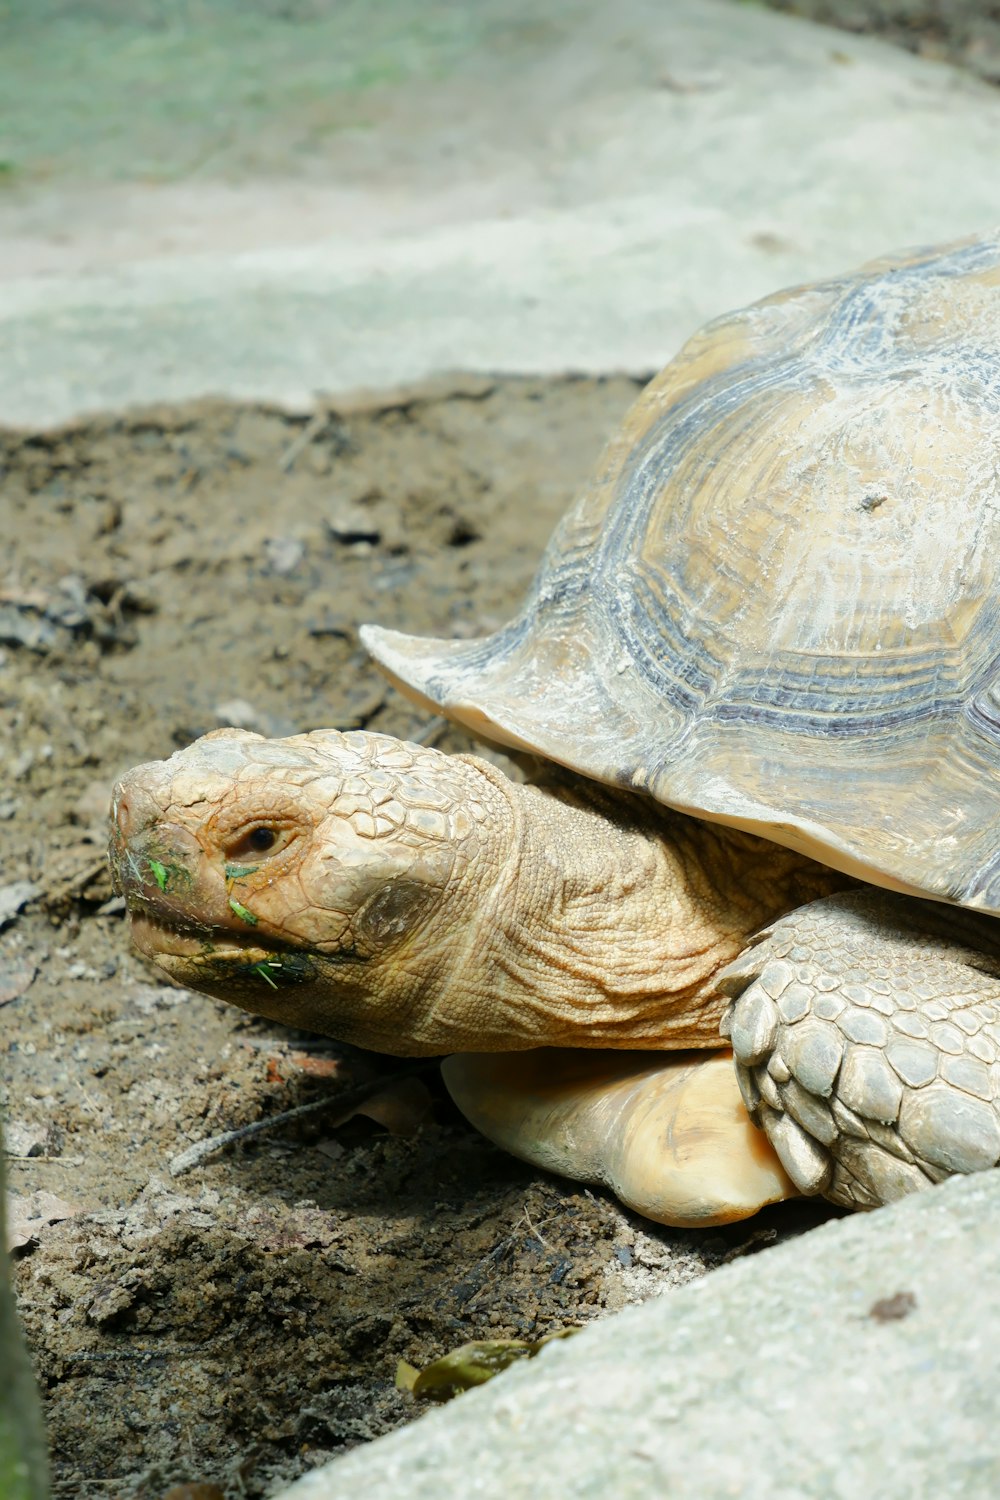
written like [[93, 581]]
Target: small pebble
[[13, 897], [353, 526], [24, 1141], [283, 554]]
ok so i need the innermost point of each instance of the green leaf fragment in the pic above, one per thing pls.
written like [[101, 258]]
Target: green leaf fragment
[[241, 912], [169, 873], [469, 1365], [262, 969], [407, 1375], [240, 872]]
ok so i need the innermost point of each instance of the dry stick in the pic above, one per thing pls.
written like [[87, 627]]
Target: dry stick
[[319, 1044], [349, 1100], [536, 1232], [311, 430], [29, 1161], [431, 733], [74, 1484]]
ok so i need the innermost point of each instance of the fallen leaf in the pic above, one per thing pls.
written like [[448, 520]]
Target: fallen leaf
[[470, 1364], [402, 1107], [27, 1217], [332, 1150], [109, 1301], [316, 1066], [407, 1376], [283, 1064]]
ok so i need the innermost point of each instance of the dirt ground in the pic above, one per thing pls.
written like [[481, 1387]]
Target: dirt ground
[[167, 572]]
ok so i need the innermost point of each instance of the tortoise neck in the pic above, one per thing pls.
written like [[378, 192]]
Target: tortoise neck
[[610, 916]]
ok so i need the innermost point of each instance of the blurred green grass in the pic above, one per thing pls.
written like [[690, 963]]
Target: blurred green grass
[[106, 89]]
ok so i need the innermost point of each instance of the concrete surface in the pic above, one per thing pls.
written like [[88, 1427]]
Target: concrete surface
[[861, 1360], [331, 195]]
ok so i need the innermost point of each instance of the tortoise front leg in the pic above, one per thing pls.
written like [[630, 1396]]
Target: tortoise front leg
[[866, 1031], [667, 1132]]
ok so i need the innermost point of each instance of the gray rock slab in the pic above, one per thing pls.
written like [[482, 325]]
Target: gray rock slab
[[860, 1360], [530, 195]]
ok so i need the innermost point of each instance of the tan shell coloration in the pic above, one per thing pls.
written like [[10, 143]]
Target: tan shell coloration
[[778, 605]]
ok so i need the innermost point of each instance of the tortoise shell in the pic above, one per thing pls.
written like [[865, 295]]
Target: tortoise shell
[[778, 603]]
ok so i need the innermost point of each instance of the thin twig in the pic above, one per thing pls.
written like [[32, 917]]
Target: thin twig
[[537, 1233], [312, 429], [349, 1100], [29, 1161], [74, 1484], [484, 1267], [431, 733], [284, 1047]]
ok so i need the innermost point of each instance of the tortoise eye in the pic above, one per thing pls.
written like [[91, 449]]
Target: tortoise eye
[[264, 839]]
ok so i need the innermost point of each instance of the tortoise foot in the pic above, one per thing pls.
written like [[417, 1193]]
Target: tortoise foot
[[866, 1033]]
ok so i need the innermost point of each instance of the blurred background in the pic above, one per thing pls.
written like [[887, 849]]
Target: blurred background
[[276, 197]]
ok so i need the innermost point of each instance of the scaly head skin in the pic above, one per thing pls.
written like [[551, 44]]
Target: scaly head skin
[[304, 878]]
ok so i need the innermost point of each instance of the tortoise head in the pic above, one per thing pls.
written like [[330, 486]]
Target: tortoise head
[[322, 879]]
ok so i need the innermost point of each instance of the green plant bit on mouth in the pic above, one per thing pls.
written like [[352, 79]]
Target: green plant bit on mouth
[[240, 872], [167, 872], [279, 973], [241, 912]]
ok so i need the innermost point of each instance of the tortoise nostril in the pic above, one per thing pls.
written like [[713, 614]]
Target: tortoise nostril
[[123, 815]]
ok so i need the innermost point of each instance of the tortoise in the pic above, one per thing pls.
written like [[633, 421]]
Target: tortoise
[[735, 938]]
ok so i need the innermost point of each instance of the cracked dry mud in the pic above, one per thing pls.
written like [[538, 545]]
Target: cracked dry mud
[[165, 572]]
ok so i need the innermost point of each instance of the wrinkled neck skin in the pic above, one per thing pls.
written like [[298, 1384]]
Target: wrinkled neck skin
[[610, 916]]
